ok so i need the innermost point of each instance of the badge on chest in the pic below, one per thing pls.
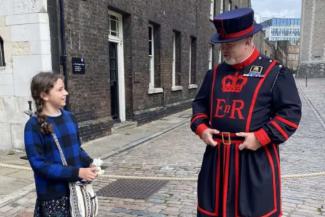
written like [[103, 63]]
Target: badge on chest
[[255, 71]]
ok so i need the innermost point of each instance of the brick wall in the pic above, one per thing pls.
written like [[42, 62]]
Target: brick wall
[[86, 26]]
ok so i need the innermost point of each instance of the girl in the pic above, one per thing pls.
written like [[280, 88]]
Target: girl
[[51, 177]]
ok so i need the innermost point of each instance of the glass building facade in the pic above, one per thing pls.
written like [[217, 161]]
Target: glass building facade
[[279, 29]]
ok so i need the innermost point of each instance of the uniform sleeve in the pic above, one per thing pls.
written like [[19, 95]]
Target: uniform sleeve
[[37, 157], [287, 111], [200, 106], [84, 157]]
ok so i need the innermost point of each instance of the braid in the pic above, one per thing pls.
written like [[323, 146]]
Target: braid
[[43, 83], [46, 128]]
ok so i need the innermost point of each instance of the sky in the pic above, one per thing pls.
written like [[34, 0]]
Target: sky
[[277, 8]]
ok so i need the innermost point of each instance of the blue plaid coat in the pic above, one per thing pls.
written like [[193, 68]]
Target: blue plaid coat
[[51, 177]]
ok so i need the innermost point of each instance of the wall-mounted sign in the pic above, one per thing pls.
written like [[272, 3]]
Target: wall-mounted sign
[[78, 65]]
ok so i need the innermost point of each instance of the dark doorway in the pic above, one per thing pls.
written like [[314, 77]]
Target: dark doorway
[[113, 63]]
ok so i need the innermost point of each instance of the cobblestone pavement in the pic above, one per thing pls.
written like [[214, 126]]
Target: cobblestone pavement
[[178, 153]]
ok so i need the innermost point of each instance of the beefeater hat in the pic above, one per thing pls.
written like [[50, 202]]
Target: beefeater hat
[[234, 25]]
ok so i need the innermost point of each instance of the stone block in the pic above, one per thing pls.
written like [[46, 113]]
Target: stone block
[[20, 48], [17, 135], [30, 32], [25, 67], [40, 47], [5, 135], [19, 19]]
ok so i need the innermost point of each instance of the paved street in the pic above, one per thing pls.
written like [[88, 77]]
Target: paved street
[[176, 155]]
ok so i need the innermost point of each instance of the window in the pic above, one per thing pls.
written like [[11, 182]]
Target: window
[[212, 7], [221, 6], [113, 26], [176, 73], [151, 57], [219, 56], [2, 53], [153, 53], [192, 63], [210, 56], [230, 5]]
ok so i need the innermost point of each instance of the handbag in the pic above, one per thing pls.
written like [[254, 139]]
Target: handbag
[[83, 200]]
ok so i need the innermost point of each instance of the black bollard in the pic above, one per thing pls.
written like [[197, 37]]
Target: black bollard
[[30, 106], [306, 80], [29, 112]]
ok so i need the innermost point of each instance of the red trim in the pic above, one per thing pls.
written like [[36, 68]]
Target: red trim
[[216, 210], [206, 212], [248, 61], [226, 134], [270, 213], [200, 129], [287, 122], [279, 174], [226, 176], [249, 118], [237, 34], [262, 137], [282, 132], [198, 116], [236, 179], [237, 141], [217, 182], [218, 168], [273, 182], [212, 91]]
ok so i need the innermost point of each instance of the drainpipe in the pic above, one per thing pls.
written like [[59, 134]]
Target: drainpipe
[[63, 56]]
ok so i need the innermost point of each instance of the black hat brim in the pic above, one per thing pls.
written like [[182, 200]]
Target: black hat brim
[[215, 39]]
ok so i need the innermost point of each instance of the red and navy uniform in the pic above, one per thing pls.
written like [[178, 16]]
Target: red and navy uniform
[[257, 95]]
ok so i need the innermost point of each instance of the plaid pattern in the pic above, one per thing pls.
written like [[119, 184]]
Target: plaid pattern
[[51, 177]]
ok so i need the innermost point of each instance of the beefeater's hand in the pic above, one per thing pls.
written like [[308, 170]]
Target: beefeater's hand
[[250, 141], [207, 136]]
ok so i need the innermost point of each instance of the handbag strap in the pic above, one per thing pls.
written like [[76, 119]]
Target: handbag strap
[[64, 161]]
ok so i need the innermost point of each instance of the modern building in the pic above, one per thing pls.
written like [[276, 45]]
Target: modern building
[[124, 61], [282, 29], [312, 45]]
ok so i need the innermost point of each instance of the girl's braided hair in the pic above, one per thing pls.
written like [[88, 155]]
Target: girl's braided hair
[[42, 83]]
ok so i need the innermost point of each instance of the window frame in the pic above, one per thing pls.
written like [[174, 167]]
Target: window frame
[[210, 60], [212, 9], [176, 37], [152, 89], [192, 67], [2, 53]]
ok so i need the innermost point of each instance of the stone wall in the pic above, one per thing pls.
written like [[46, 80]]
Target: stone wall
[[312, 55], [24, 28]]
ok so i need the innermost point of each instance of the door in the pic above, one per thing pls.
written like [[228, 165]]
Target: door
[[113, 63], [116, 64]]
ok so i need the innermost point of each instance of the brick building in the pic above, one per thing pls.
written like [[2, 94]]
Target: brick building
[[124, 61], [312, 44], [150, 58]]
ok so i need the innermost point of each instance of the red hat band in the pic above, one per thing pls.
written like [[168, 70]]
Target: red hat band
[[236, 34]]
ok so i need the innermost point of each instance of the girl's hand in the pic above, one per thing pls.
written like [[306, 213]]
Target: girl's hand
[[88, 174]]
